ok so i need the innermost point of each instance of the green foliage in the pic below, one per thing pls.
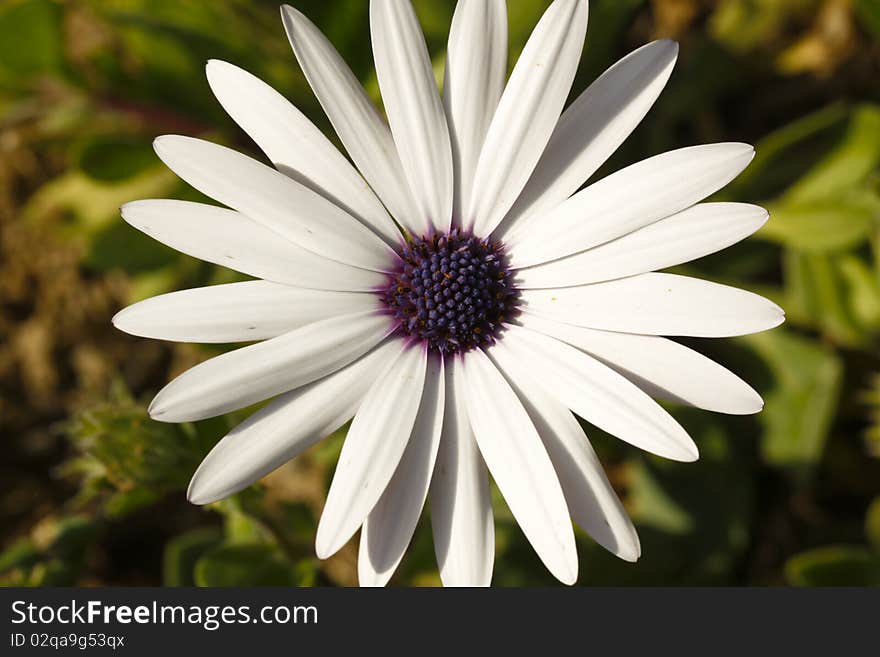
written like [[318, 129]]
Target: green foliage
[[243, 565], [124, 451], [183, 551], [800, 401], [30, 41], [52, 556], [834, 566], [872, 402], [872, 525], [841, 565], [113, 158]]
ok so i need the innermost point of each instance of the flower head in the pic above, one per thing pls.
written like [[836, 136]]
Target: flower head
[[452, 292]]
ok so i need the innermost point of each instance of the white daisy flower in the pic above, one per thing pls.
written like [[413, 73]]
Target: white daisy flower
[[454, 293]]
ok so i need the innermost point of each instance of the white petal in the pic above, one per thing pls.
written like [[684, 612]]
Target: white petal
[[476, 67], [374, 446], [660, 367], [236, 312], [361, 130], [592, 502], [414, 111], [245, 376], [276, 201], [685, 236], [295, 146], [596, 393], [229, 239], [389, 527], [520, 465], [658, 304], [627, 200], [461, 506], [594, 125], [527, 113], [287, 426]]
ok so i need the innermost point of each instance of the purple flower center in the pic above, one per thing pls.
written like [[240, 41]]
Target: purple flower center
[[454, 291]]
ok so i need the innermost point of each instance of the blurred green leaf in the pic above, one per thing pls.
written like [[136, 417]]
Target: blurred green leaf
[[692, 530], [789, 152], [152, 282], [743, 26], [801, 400], [31, 39], [819, 295], [872, 524], [21, 554], [855, 157], [125, 502], [87, 206], [243, 565], [871, 398], [54, 572], [868, 12], [863, 290], [71, 536], [841, 565], [182, 552], [820, 227], [123, 449], [119, 246], [653, 507], [52, 556], [116, 157]]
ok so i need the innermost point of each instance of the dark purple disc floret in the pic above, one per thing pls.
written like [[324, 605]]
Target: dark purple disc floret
[[453, 291]]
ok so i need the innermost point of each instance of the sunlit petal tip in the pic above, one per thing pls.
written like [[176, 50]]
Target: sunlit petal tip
[[164, 146], [328, 543], [200, 492], [748, 403], [289, 13], [118, 320], [780, 316], [205, 487], [214, 68], [688, 454], [156, 410], [368, 574], [569, 575], [324, 549], [126, 210], [191, 495], [632, 551], [369, 579], [742, 149], [569, 579], [291, 17], [667, 48], [161, 142]]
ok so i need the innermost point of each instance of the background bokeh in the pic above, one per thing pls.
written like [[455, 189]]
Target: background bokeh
[[91, 490]]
